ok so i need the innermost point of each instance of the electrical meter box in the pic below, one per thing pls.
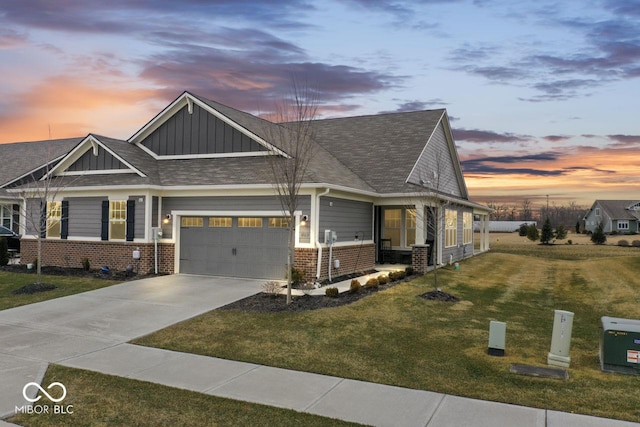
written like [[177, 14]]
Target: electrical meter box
[[620, 345]]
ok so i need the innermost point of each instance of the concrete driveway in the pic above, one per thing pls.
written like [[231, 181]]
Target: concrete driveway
[[34, 335]]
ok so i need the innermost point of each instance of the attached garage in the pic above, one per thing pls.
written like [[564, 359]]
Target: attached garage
[[253, 247]]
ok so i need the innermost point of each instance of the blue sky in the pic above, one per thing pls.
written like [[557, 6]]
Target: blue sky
[[543, 95]]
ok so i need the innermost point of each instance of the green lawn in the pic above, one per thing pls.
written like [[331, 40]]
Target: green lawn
[[9, 282], [104, 400], [396, 338]]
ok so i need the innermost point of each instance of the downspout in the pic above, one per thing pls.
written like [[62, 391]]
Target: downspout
[[318, 244]]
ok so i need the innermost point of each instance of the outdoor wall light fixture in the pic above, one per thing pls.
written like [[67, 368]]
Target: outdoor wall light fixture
[[303, 220], [166, 219]]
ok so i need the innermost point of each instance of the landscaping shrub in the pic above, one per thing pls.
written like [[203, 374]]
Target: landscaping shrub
[[383, 280], [4, 251], [355, 286], [408, 271], [271, 288], [86, 265], [331, 292], [532, 233], [372, 283], [570, 242], [522, 231], [623, 242], [397, 275], [297, 276], [636, 243]]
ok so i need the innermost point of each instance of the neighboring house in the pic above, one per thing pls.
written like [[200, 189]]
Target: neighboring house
[[616, 216], [196, 178]]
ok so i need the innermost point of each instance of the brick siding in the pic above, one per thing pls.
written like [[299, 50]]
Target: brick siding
[[354, 258], [116, 255]]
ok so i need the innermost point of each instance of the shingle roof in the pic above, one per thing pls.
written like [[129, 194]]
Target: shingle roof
[[619, 209], [381, 149], [22, 158], [373, 153]]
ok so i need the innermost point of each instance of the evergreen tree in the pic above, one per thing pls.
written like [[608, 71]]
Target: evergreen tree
[[547, 232], [532, 233], [561, 233], [578, 227], [598, 237]]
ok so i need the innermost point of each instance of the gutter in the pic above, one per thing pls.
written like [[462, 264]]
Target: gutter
[[318, 244]]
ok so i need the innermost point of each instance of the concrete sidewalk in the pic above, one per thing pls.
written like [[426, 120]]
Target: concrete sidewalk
[[351, 400]]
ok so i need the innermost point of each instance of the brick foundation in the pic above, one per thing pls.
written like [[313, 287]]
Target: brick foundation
[[116, 255], [352, 259], [419, 258]]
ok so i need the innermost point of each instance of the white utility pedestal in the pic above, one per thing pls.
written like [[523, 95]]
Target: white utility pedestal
[[497, 338], [561, 339]]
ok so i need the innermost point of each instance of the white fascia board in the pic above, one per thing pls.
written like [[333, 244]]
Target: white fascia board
[[98, 172], [215, 155], [273, 213], [89, 143]]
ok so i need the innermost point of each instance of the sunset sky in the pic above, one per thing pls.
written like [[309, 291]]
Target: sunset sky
[[543, 96]]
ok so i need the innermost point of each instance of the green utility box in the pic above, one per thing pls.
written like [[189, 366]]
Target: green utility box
[[620, 345]]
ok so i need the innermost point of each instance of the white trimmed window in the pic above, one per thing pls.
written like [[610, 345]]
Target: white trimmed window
[[117, 219], [467, 227], [623, 225], [54, 217], [450, 228], [393, 225]]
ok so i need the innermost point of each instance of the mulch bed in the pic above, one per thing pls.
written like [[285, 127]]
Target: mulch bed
[[438, 295], [264, 303], [34, 288]]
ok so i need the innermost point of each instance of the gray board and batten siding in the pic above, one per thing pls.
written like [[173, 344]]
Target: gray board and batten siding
[[103, 161], [228, 204], [435, 168], [347, 218], [198, 133]]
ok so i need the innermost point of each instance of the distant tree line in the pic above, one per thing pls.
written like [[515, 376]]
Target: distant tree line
[[569, 216]]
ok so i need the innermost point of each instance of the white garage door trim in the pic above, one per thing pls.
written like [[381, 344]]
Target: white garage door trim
[[176, 218]]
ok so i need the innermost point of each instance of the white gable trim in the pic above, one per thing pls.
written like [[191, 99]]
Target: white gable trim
[[188, 99], [90, 143]]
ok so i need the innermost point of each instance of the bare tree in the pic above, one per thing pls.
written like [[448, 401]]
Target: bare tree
[[526, 212], [432, 194], [293, 134], [42, 211]]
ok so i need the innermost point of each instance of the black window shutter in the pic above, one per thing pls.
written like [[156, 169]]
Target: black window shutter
[[104, 234], [64, 221], [131, 219], [43, 220]]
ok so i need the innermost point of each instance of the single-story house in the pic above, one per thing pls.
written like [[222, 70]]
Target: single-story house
[[192, 192], [619, 216]]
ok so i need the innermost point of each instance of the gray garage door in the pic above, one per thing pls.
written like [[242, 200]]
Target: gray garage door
[[234, 246]]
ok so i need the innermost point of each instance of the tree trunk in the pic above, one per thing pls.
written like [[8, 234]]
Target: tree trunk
[[39, 262]]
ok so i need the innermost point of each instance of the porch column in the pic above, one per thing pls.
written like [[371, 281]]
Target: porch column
[[484, 238], [421, 219]]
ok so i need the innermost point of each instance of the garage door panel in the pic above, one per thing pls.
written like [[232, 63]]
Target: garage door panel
[[256, 252]]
